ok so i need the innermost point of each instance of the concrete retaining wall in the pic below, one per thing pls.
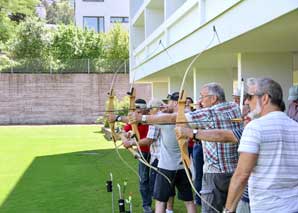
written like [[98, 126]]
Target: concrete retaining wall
[[59, 98]]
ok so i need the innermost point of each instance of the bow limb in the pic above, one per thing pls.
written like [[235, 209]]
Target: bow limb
[[132, 97], [134, 126], [132, 107], [114, 135], [183, 145], [182, 142]]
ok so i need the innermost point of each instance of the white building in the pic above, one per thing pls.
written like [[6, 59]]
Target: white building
[[100, 15], [254, 38]]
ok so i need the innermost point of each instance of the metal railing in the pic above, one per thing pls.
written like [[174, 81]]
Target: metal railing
[[67, 66]]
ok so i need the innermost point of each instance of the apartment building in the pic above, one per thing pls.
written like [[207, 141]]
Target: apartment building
[[230, 39], [100, 15]]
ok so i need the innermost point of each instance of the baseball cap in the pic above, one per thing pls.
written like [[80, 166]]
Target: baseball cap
[[293, 93], [140, 104], [236, 92], [173, 97], [154, 103]]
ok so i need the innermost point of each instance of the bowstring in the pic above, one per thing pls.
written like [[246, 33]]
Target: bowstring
[[181, 88], [114, 141]]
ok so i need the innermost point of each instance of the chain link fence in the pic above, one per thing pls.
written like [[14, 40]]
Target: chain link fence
[[66, 66]]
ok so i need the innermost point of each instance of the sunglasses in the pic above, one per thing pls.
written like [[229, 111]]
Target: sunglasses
[[204, 96], [250, 96]]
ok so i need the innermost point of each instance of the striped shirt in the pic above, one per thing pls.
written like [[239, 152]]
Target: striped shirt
[[218, 157], [154, 134], [273, 183]]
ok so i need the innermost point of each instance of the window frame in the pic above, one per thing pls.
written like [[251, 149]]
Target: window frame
[[119, 17], [98, 23]]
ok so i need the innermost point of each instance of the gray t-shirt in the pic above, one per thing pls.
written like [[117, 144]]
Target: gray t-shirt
[[170, 155]]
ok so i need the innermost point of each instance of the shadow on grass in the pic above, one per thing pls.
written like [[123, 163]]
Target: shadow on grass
[[72, 182]]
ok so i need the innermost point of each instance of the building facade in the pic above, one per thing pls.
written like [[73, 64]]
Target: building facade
[[100, 15], [224, 41]]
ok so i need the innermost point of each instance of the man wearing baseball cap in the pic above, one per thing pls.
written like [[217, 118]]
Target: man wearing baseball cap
[[170, 164], [293, 106]]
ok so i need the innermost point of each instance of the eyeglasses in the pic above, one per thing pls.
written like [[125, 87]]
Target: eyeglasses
[[203, 96]]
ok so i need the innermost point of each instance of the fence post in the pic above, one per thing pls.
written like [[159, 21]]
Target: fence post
[[88, 66], [11, 68], [51, 71]]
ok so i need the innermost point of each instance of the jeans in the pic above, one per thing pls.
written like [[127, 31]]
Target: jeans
[[152, 176], [144, 182], [198, 162]]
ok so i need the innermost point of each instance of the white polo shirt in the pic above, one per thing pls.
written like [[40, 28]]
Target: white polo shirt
[[273, 183]]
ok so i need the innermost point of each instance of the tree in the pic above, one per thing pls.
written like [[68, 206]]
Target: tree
[[59, 12], [30, 45], [67, 47], [116, 49], [73, 48], [70, 42], [116, 41], [32, 40], [11, 12]]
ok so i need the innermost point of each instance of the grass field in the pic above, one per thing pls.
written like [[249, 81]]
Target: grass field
[[61, 169]]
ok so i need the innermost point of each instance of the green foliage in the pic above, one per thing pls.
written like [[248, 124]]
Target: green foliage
[[59, 12], [121, 107], [8, 8], [116, 46], [70, 42], [72, 46], [30, 46], [32, 40], [67, 47], [6, 62], [116, 43]]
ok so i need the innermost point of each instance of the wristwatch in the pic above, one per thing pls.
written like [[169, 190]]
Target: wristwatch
[[144, 119], [194, 132], [228, 211], [118, 118]]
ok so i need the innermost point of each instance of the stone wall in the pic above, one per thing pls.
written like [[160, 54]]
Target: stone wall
[[59, 98]]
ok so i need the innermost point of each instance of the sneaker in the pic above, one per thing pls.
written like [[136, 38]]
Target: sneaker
[[147, 209]]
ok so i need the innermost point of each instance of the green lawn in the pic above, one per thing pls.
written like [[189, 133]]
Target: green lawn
[[61, 169]]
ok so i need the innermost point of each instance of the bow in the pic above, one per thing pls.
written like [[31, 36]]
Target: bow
[[180, 119], [183, 145], [114, 135], [132, 96]]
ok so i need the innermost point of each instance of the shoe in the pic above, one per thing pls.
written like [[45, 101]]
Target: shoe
[[147, 209]]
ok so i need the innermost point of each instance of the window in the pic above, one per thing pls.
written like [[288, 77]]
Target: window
[[95, 23], [118, 19]]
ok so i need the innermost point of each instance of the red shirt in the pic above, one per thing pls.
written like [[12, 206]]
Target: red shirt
[[143, 130], [190, 143]]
